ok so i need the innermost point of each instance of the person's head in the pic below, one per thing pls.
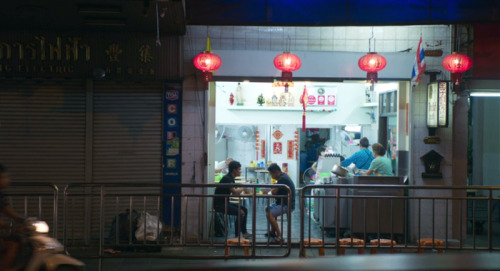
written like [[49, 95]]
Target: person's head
[[4, 177], [228, 160], [234, 168], [364, 143], [378, 149], [274, 171], [320, 150]]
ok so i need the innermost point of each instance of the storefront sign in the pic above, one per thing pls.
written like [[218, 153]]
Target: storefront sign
[[263, 149], [323, 97], [437, 104], [113, 55], [172, 127]]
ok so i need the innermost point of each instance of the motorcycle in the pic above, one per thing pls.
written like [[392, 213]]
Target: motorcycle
[[43, 252]]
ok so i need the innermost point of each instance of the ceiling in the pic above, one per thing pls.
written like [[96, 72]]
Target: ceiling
[[174, 15]]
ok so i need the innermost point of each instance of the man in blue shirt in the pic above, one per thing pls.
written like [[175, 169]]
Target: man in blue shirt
[[362, 158], [282, 205]]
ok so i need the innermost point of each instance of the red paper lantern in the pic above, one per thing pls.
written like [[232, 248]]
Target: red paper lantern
[[207, 62], [287, 63], [457, 63], [372, 63]]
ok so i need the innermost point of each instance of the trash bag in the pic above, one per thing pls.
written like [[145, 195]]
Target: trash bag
[[124, 229], [150, 225]]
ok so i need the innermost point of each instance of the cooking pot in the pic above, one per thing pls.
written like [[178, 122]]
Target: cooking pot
[[339, 171]]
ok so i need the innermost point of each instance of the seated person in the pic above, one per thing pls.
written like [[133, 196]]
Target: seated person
[[234, 169], [281, 206], [222, 166], [381, 165], [362, 158], [11, 244]]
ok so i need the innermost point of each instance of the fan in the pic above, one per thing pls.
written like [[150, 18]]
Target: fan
[[245, 133], [219, 133]]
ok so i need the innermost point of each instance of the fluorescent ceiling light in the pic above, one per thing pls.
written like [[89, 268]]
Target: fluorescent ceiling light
[[484, 94]]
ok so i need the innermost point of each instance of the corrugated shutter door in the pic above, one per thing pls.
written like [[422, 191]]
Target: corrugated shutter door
[[42, 137], [127, 143]]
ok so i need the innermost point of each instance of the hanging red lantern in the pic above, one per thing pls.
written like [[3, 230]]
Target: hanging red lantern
[[372, 63], [207, 62], [457, 63], [287, 63]]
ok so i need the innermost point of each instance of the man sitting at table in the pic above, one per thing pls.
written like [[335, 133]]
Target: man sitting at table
[[282, 205], [234, 170]]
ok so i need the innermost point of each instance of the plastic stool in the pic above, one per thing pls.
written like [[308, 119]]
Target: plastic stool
[[316, 242], [353, 241], [383, 242], [427, 242], [235, 241]]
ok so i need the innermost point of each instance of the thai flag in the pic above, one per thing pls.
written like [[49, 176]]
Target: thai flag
[[419, 66]]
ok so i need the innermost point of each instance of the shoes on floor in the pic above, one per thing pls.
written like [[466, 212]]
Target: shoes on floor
[[271, 235], [276, 240]]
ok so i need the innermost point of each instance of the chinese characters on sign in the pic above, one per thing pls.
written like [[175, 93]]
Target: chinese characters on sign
[[443, 104], [437, 104]]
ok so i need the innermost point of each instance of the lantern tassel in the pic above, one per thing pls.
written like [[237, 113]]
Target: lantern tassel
[[304, 122]]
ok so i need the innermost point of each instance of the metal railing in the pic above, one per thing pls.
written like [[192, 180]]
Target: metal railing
[[400, 213], [194, 201], [29, 199]]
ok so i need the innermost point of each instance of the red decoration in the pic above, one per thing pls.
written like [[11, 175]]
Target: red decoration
[[207, 62], [287, 63], [277, 134], [231, 99], [277, 147], [304, 100], [457, 63], [372, 63]]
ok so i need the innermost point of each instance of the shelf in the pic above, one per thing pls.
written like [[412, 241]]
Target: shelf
[[282, 108], [370, 105]]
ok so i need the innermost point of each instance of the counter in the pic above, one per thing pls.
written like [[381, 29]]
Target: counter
[[378, 213]]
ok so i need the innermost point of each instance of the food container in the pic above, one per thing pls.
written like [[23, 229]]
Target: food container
[[339, 171]]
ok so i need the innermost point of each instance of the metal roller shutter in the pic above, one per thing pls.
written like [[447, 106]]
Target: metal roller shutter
[[127, 144], [42, 137]]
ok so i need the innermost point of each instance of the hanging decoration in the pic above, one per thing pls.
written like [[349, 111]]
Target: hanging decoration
[[207, 62], [277, 147], [457, 63], [263, 149], [372, 62], [304, 100], [296, 145], [257, 138], [277, 134], [287, 63], [290, 149]]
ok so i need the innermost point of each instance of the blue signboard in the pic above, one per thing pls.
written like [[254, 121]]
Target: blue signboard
[[172, 131]]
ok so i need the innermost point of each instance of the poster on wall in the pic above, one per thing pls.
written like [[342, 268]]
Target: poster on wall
[[323, 96], [277, 147], [172, 127], [290, 149]]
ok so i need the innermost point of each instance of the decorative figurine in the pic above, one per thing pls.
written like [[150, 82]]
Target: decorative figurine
[[274, 100], [231, 99], [268, 102], [239, 95], [291, 100], [283, 99], [260, 99]]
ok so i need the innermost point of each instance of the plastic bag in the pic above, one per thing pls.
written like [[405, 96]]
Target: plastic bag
[[151, 223]]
